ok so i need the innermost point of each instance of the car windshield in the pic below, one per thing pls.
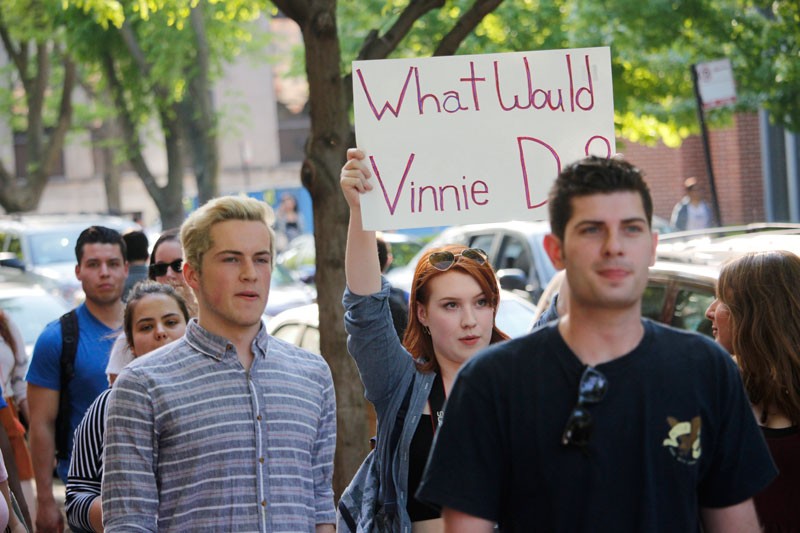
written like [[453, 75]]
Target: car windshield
[[32, 312], [53, 247]]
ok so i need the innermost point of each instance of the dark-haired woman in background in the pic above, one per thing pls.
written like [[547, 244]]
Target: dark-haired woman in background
[[756, 317]]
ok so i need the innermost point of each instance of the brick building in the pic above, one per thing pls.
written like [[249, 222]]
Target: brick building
[[737, 164]]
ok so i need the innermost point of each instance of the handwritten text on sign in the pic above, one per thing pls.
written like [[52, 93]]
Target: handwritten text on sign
[[454, 140]]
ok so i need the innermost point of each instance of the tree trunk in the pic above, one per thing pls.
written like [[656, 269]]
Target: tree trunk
[[111, 173], [201, 118], [43, 150], [325, 154]]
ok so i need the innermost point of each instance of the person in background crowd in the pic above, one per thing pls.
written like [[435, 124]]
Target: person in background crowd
[[166, 265], [155, 315], [692, 212], [8, 519], [13, 366], [102, 271], [12, 478], [601, 420], [398, 299], [288, 221], [227, 428], [756, 317], [136, 246], [454, 299]]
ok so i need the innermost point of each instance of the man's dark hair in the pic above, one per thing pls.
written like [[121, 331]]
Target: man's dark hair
[[594, 175], [383, 253], [101, 235], [136, 244]]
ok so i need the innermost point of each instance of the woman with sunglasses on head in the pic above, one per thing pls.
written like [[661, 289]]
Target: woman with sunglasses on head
[[453, 302], [756, 317], [155, 315]]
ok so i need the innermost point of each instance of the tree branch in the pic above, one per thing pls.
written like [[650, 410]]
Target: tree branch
[[297, 10], [464, 26], [130, 135], [56, 140], [380, 47], [15, 54]]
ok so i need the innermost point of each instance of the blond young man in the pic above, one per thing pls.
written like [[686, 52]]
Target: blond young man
[[226, 429]]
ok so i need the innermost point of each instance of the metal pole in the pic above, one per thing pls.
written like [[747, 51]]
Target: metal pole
[[706, 146]]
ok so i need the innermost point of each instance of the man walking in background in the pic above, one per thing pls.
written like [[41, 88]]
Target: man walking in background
[[137, 246], [68, 368], [692, 212]]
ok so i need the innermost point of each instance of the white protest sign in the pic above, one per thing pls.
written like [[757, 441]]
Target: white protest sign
[[480, 138]]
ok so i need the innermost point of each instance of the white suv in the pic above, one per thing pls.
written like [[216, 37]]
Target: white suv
[[45, 245]]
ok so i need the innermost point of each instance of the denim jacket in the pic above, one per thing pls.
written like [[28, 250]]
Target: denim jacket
[[386, 370]]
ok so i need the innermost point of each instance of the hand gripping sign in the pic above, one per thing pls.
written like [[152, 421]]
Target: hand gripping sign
[[480, 138]]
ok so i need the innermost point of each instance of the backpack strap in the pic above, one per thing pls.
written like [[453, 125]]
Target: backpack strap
[[389, 494], [69, 347]]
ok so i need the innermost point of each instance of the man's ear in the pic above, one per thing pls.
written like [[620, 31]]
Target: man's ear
[[555, 250], [191, 276], [655, 245]]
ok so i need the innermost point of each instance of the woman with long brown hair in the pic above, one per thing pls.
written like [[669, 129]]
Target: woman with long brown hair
[[452, 307], [756, 317]]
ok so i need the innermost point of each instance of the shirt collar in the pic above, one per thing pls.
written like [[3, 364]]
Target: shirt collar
[[219, 347]]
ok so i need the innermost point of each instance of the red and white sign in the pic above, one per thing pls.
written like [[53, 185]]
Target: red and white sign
[[715, 83], [477, 138]]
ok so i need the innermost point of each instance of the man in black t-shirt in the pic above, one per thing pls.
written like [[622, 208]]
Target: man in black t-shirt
[[603, 421]]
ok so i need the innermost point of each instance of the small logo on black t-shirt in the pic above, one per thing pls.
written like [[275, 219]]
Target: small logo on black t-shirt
[[684, 440]]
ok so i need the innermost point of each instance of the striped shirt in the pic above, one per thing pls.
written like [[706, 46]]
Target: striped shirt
[[86, 465], [194, 442]]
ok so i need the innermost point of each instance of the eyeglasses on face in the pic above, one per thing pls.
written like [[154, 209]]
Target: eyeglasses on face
[[444, 260], [160, 269], [591, 389]]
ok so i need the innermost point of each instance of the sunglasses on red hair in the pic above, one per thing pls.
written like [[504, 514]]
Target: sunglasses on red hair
[[444, 260]]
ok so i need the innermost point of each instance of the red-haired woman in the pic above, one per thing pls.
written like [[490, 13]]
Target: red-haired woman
[[452, 306]]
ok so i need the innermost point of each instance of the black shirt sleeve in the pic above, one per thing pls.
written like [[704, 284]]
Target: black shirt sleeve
[[465, 470]]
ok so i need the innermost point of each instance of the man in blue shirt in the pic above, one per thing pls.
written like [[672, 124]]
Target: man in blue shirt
[[102, 271]]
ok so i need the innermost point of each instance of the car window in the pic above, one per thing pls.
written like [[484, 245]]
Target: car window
[[653, 300], [310, 340], [514, 254], [484, 242], [690, 310], [288, 332], [14, 245], [55, 247]]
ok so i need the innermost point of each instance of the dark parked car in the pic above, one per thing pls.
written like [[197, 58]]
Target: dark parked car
[[682, 282]]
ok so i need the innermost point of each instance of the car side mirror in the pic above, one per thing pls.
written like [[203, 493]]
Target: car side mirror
[[10, 259], [512, 279]]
